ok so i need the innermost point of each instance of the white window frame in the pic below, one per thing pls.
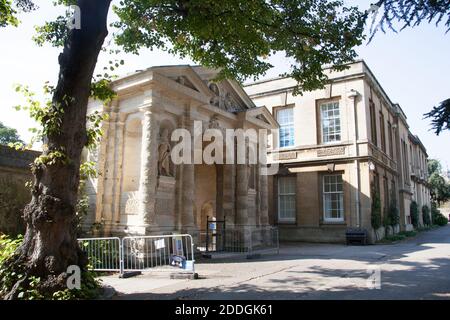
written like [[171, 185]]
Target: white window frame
[[284, 219], [289, 124], [322, 119], [341, 193]]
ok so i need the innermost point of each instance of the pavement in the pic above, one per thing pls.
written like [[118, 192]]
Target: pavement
[[417, 268]]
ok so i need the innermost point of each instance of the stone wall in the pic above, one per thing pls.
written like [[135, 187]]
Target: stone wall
[[14, 173]]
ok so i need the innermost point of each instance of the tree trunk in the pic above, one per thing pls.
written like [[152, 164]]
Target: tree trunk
[[50, 243]]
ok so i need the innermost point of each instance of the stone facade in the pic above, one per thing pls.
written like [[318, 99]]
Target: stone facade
[[349, 132], [139, 190], [14, 195]]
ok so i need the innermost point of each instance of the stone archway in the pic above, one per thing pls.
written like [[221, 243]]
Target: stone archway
[[205, 193], [207, 212]]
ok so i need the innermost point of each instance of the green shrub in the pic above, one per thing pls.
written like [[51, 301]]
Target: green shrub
[[414, 212], [386, 218], [441, 220], [426, 215], [376, 209], [438, 218], [8, 246], [394, 214], [30, 287]]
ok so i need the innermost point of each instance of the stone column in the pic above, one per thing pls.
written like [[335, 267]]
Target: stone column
[[102, 157], [120, 127], [229, 181], [110, 171], [149, 167], [264, 194], [241, 194], [188, 184]]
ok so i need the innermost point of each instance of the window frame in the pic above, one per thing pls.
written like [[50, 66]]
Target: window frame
[[277, 111], [373, 122], [391, 140], [291, 220], [382, 132], [321, 118], [341, 219]]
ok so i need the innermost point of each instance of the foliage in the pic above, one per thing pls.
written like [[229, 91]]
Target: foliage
[[30, 290], [410, 13], [439, 187], [386, 218], [8, 134], [10, 8], [440, 117], [87, 170], [235, 36], [414, 213], [426, 215], [437, 217], [393, 211], [7, 246], [376, 209], [399, 236]]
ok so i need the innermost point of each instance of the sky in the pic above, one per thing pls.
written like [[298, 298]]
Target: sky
[[413, 67]]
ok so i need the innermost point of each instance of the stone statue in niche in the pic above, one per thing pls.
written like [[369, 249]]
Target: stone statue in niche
[[164, 149], [214, 123], [216, 99], [228, 103]]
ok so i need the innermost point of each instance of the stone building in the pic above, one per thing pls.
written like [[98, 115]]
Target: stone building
[[337, 145], [139, 189], [14, 195]]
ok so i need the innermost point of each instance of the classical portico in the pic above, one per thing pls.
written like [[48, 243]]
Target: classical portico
[[140, 190]]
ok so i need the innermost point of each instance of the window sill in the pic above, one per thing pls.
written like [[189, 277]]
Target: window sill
[[287, 223], [333, 223]]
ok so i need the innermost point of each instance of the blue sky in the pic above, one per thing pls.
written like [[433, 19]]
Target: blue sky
[[413, 67]]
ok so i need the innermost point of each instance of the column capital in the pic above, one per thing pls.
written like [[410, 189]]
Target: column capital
[[151, 108]]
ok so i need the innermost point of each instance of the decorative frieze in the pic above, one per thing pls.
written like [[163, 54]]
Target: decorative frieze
[[333, 151], [286, 155]]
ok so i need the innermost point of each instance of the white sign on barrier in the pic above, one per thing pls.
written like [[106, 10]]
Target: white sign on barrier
[[160, 244]]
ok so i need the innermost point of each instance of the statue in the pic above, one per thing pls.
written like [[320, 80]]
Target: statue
[[164, 154]]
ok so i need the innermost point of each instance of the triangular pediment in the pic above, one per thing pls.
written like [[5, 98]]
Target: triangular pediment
[[185, 76], [262, 117]]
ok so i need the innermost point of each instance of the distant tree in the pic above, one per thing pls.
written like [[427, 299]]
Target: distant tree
[[375, 218], [10, 8], [439, 187], [440, 117], [414, 213], [411, 13], [8, 134]]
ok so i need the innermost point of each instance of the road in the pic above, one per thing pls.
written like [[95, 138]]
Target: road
[[418, 268]]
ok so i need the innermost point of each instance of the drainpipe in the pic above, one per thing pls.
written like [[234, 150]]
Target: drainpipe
[[353, 94]]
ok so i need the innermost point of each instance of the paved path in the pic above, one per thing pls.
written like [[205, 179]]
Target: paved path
[[418, 268]]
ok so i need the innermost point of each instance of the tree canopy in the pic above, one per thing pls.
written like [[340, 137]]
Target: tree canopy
[[9, 10], [440, 117], [237, 36], [8, 135], [439, 186]]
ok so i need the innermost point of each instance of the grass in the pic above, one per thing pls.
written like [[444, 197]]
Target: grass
[[405, 234], [398, 237]]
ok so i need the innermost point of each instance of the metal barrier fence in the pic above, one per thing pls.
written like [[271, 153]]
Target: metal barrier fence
[[158, 253], [242, 239], [104, 254], [173, 253]]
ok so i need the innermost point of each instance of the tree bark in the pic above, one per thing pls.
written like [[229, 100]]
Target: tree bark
[[50, 243]]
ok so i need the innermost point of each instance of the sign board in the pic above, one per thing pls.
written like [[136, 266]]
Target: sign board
[[160, 244]]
